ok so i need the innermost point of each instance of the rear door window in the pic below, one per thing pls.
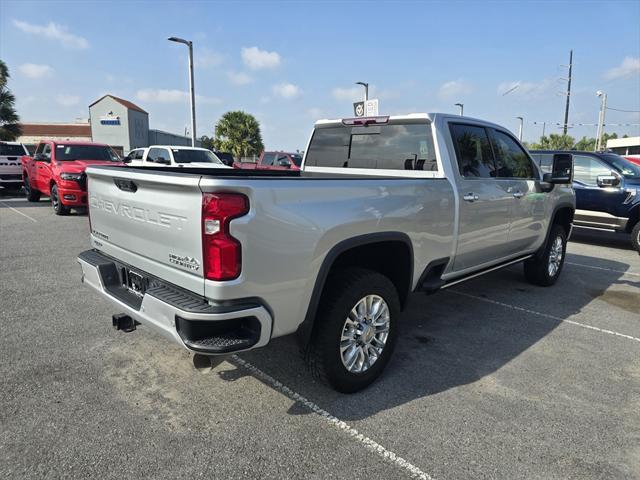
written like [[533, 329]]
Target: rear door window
[[382, 147], [157, 153], [511, 159], [473, 151]]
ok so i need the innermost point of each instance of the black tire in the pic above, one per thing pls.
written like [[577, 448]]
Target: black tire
[[343, 291], [56, 203], [635, 237], [538, 269], [33, 195]]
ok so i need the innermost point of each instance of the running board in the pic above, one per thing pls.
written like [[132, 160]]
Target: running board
[[487, 270]]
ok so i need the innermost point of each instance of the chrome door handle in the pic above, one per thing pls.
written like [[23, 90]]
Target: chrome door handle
[[470, 197], [518, 194]]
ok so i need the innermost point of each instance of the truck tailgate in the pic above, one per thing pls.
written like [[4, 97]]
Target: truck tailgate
[[149, 220]]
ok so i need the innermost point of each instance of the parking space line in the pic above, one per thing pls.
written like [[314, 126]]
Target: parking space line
[[546, 315], [602, 268], [18, 211], [412, 470]]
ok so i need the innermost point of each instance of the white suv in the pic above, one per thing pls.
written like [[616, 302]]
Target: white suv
[[11, 154]]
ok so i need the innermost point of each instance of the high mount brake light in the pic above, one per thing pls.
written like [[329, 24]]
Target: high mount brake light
[[365, 121], [221, 253]]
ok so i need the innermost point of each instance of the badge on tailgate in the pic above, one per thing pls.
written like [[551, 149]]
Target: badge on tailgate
[[184, 261]]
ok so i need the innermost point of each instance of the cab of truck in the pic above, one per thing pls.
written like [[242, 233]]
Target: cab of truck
[[11, 154], [273, 161]]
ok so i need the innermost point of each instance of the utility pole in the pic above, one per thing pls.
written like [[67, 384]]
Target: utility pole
[[601, 115], [566, 110]]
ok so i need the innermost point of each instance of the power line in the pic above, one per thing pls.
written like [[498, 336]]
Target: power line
[[620, 110]]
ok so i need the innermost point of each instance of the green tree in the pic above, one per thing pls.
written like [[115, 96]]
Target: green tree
[[554, 142], [10, 128], [586, 144], [207, 142], [239, 134]]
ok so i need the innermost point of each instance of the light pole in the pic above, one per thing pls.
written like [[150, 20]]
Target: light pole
[[461, 105], [520, 129], [544, 126], [189, 44], [366, 89], [603, 111]]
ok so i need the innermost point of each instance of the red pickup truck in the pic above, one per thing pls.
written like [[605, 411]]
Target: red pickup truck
[[273, 161], [57, 170]]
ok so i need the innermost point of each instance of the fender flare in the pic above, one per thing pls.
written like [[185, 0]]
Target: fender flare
[[305, 328]]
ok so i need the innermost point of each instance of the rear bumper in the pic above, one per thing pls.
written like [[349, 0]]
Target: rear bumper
[[190, 320]]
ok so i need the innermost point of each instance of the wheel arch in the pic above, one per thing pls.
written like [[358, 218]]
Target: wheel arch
[[396, 263]]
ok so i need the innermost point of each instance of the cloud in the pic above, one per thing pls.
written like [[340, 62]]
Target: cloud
[[454, 88], [350, 94], [239, 78], [67, 100], [257, 59], [161, 95], [288, 91], [33, 70], [54, 31], [316, 113], [628, 67], [206, 58]]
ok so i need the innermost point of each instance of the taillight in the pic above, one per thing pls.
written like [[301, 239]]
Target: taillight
[[221, 253]]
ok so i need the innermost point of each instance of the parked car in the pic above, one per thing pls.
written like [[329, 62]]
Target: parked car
[[11, 154], [231, 259], [273, 161], [57, 169], [607, 191], [171, 155], [226, 157]]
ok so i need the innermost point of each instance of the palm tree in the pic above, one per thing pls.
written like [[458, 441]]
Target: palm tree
[[10, 128], [238, 133]]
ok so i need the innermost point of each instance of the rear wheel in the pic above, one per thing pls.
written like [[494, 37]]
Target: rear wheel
[[56, 203], [635, 237], [33, 195], [544, 268], [355, 329]]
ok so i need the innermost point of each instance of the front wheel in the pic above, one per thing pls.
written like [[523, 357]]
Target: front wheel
[[635, 237], [544, 268], [355, 329], [33, 195], [56, 203]]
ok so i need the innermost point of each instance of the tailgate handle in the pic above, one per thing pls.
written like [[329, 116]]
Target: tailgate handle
[[126, 185]]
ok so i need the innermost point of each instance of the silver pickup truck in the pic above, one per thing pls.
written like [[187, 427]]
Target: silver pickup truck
[[223, 261]]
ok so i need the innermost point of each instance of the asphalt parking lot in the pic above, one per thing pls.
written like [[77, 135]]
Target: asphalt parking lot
[[493, 378]]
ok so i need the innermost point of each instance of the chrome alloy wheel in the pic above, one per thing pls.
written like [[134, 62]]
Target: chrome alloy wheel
[[364, 334], [55, 201], [555, 256]]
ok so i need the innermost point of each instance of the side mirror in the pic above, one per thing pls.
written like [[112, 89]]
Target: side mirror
[[561, 171], [607, 181], [127, 159], [284, 163]]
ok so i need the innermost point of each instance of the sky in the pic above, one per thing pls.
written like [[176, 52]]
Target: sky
[[290, 63]]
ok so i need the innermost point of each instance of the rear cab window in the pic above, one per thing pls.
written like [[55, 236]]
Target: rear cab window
[[397, 146]]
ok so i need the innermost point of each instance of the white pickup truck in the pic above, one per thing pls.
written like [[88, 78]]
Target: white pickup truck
[[11, 154], [223, 261], [173, 156]]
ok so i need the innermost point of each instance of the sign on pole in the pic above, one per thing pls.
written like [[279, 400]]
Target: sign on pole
[[358, 109], [371, 108]]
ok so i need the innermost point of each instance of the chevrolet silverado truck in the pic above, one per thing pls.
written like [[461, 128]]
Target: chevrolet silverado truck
[[11, 154], [57, 170], [225, 261]]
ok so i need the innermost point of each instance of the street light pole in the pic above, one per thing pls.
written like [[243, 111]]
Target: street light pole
[[189, 44], [520, 129], [366, 89], [601, 115], [461, 105]]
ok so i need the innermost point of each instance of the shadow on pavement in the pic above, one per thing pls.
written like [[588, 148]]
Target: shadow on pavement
[[601, 238], [447, 339]]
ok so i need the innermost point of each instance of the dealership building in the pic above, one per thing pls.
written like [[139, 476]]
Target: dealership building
[[112, 120]]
